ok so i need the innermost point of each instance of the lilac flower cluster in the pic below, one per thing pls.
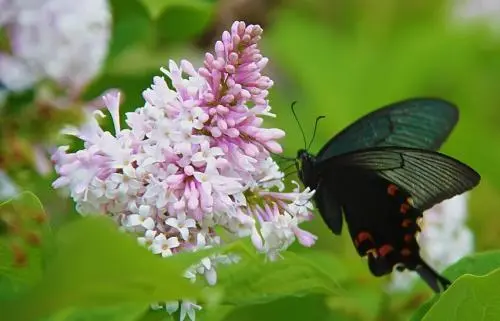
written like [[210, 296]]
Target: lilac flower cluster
[[194, 157]]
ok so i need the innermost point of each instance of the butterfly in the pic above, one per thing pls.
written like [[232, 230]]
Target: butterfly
[[382, 172]]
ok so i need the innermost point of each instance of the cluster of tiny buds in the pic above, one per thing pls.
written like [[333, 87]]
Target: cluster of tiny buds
[[20, 231]]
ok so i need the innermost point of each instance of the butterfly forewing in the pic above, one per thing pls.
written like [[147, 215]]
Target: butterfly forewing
[[428, 176], [417, 123]]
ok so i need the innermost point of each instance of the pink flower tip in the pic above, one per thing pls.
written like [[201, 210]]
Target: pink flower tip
[[305, 238]]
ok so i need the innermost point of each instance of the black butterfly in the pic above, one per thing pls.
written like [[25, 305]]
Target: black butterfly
[[382, 172]]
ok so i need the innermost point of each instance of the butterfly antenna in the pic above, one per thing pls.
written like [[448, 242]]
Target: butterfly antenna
[[298, 122], [314, 132], [288, 167], [284, 158], [288, 174]]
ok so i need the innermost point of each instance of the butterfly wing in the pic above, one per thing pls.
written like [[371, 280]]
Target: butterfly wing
[[382, 216], [418, 123], [328, 206], [429, 177]]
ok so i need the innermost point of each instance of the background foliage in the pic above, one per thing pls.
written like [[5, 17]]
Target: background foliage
[[336, 58]]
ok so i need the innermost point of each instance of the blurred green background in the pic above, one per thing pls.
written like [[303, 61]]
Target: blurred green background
[[340, 59]]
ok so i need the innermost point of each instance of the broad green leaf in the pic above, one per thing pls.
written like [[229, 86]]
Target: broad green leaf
[[131, 25], [256, 280], [159, 315], [311, 307], [476, 264], [16, 103], [424, 308], [157, 7], [358, 302], [25, 237], [181, 22], [128, 312], [96, 265], [469, 298]]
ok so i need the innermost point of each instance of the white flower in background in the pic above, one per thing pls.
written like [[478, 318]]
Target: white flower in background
[[195, 157], [488, 10], [65, 41], [445, 238], [7, 187]]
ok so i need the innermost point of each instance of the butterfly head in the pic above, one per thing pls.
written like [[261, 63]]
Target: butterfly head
[[305, 167]]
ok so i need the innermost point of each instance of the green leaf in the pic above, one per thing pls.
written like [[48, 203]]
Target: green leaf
[[17, 102], [469, 298], [181, 22], [131, 25], [96, 265], [424, 308], [476, 264], [129, 312], [255, 280], [25, 238], [358, 302], [311, 307], [157, 7], [159, 315]]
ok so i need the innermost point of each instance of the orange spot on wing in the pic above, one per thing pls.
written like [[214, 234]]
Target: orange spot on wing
[[385, 249], [404, 208], [406, 223], [405, 252], [392, 189], [363, 236], [408, 238]]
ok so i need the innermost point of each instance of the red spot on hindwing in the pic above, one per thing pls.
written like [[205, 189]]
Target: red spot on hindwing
[[392, 189], [385, 249]]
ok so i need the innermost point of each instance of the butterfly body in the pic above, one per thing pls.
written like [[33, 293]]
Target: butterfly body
[[381, 179]]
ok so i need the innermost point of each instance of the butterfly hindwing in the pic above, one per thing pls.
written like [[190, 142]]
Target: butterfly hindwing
[[417, 123], [328, 207], [382, 222], [379, 215]]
